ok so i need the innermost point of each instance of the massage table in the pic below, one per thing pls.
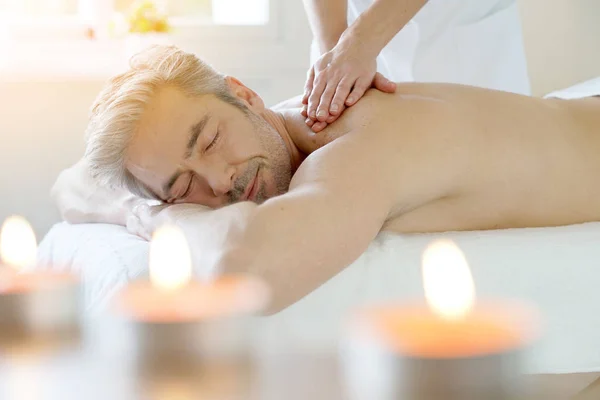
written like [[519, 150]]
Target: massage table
[[555, 269]]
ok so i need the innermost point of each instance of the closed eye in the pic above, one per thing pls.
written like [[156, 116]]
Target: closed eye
[[188, 190], [214, 141]]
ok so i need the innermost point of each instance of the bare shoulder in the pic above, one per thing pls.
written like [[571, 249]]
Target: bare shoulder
[[397, 147], [374, 107], [345, 177], [350, 166], [352, 148], [307, 140]]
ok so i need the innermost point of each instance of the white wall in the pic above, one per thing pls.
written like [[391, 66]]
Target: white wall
[[42, 119], [41, 133], [562, 40]]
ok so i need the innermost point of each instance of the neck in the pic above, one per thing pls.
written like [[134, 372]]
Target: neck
[[277, 121]]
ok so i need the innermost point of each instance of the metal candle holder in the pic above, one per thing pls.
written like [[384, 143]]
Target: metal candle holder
[[374, 373], [45, 316]]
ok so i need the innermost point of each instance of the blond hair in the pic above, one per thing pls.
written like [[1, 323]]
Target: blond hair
[[119, 107]]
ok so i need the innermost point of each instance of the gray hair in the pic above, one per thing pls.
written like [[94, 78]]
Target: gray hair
[[120, 105]]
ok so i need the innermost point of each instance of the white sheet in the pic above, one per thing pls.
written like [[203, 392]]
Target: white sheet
[[585, 89], [106, 257], [557, 269]]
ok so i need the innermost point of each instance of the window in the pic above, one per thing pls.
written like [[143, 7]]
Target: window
[[175, 8], [52, 38], [39, 8], [47, 19]]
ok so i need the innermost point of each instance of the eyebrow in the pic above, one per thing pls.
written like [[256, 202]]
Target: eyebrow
[[195, 132]]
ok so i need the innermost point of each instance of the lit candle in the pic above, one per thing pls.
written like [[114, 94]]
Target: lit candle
[[450, 348], [38, 307], [178, 325]]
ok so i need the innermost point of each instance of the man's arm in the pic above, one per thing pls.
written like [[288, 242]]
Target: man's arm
[[338, 201], [299, 240], [328, 20]]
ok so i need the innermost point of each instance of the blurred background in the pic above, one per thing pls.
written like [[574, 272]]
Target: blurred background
[[56, 54]]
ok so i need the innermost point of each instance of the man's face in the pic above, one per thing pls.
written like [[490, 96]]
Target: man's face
[[207, 151]]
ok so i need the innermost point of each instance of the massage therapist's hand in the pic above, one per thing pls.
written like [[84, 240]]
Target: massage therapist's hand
[[338, 79]]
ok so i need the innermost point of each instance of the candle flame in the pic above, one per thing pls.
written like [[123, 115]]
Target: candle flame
[[170, 261], [447, 280], [18, 245]]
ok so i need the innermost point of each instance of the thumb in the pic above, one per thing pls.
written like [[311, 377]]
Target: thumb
[[308, 86], [383, 84], [134, 226]]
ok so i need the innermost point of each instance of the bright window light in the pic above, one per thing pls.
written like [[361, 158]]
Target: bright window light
[[39, 8], [240, 12], [220, 12]]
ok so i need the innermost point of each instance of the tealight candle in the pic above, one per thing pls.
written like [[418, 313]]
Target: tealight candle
[[37, 307], [451, 348], [179, 325]]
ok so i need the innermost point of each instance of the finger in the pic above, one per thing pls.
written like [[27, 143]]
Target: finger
[[315, 96], [380, 82], [323, 108], [145, 234], [319, 126], [308, 85], [360, 87], [309, 122], [135, 227], [341, 94], [303, 112], [140, 209], [148, 216], [132, 224], [332, 118]]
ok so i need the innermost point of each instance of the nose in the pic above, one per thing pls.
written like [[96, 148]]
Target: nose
[[221, 181]]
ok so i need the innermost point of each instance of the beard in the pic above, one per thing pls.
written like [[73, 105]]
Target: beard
[[278, 164]]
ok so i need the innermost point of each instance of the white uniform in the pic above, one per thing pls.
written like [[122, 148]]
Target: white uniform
[[473, 42]]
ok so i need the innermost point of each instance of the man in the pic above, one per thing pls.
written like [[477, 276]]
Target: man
[[431, 157]]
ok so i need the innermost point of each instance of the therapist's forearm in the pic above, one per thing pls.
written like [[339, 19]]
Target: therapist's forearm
[[328, 20], [377, 25]]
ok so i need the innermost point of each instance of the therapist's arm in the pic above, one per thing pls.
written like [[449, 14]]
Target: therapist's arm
[[378, 24], [328, 20], [343, 74]]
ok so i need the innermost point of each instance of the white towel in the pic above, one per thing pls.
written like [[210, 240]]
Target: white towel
[[582, 90]]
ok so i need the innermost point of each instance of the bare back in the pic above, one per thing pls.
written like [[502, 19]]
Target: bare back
[[521, 162], [462, 158], [428, 158]]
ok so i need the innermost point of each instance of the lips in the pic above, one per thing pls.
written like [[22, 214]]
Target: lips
[[255, 187], [252, 188]]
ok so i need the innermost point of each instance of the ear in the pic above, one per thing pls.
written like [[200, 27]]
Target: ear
[[245, 94]]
